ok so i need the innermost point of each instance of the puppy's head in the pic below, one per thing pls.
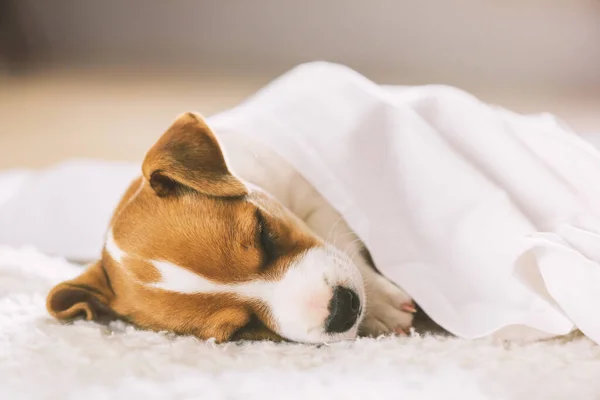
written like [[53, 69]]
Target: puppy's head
[[194, 250]]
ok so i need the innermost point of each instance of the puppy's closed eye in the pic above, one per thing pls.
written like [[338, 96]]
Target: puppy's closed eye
[[267, 239]]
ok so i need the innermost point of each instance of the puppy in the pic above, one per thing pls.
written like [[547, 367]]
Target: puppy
[[236, 249]]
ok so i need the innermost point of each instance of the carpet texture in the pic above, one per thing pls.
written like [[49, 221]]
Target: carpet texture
[[41, 358]]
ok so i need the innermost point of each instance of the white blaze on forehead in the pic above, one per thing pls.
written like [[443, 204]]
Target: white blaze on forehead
[[113, 249]]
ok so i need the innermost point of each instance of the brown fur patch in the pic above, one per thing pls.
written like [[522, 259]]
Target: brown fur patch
[[141, 270]]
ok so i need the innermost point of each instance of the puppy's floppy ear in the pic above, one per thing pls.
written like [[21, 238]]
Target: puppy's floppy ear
[[89, 295], [188, 155]]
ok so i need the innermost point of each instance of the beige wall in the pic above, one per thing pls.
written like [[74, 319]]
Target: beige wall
[[526, 55], [501, 42]]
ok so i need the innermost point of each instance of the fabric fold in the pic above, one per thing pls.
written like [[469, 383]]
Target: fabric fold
[[456, 199]]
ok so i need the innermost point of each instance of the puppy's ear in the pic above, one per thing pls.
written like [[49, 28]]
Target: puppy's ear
[[188, 155], [89, 295]]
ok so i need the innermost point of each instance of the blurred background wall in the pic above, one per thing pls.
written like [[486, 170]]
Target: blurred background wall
[[531, 42], [531, 55]]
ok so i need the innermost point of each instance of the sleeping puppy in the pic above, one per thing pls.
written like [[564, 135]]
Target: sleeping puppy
[[243, 249]]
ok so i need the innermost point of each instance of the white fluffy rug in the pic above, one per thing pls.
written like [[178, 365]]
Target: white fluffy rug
[[41, 358]]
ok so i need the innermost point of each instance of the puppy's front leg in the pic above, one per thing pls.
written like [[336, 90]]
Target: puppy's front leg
[[389, 308]]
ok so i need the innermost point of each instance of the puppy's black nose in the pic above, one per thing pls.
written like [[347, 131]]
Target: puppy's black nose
[[344, 309]]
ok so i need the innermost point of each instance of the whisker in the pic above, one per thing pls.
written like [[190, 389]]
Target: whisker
[[332, 229]]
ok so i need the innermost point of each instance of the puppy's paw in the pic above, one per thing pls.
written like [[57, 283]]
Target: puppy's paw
[[389, 309]]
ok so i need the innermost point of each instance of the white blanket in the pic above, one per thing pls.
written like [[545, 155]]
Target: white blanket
[[489, 219]]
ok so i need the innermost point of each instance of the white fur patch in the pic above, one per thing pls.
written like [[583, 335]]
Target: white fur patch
[[113, 250], [182, 280]]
